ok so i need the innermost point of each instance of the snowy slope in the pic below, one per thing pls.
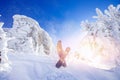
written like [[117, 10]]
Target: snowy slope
[[35, 68]]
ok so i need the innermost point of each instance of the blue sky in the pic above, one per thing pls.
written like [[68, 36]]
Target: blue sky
[[57, 17]]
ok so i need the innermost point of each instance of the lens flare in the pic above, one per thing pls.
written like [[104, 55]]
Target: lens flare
[[99, 52], [94, 52]]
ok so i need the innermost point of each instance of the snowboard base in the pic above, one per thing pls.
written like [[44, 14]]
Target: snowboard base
[[60, 63]]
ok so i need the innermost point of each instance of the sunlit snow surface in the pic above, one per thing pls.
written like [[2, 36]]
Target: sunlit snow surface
[[31, 67]]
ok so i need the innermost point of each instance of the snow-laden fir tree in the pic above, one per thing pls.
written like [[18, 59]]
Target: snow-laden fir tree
[[28, 37], [104, 36], [4, 63]]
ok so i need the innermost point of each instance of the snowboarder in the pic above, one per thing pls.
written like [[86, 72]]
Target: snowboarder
[[62, 54]]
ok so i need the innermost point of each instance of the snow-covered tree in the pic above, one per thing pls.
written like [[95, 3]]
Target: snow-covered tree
[[104, 35], [107, 24], [4, 63], [28, 36]]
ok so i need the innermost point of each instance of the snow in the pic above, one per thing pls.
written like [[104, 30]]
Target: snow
[[32, 67], [4, 62], [33, 56], [29, 67], [26, 32], [102, 40]]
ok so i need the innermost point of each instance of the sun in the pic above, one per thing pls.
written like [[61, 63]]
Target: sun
[[99, 52], [94, 52]]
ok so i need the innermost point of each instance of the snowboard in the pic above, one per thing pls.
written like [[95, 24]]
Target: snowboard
[[59, 64]]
